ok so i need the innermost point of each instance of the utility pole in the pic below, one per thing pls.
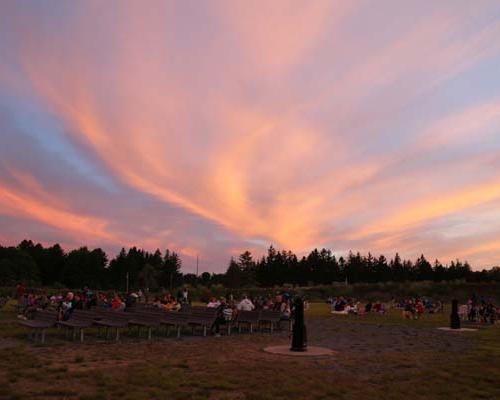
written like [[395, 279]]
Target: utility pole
[[196, 265], [127, 282]]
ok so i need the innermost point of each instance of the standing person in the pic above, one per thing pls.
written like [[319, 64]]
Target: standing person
[[20, 290], [185, 295]]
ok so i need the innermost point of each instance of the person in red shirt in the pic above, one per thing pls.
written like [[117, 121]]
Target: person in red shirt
[[419, 308], [20, 290]]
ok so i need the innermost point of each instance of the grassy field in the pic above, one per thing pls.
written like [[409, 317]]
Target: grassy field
[[377, 357]]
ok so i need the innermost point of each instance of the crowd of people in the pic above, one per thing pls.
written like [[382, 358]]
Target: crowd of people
[[348, 305], [412, 308], [479, 310], [228, 308], [65, 302], [415, 307]]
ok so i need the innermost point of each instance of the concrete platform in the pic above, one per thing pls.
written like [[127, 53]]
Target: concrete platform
[[447, 328], [312, 351]]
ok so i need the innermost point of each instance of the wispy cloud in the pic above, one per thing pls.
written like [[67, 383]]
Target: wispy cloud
[[348, 125]]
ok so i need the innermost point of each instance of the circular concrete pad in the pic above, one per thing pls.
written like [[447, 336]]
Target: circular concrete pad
[[312, 351], [446, 328]]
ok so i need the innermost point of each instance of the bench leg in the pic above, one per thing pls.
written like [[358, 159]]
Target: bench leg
[[178, 331], [74, 334], [149, 333], [204, 330], [117, 334], [81, 335], [251, 328], [43, 336]]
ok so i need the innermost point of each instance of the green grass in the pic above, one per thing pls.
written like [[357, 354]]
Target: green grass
[[391, 317]]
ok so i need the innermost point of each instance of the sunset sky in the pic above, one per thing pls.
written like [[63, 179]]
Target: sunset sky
[[211, 127]]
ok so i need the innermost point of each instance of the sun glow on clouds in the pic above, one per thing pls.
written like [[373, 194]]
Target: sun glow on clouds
[[300, 124], [25, 206]]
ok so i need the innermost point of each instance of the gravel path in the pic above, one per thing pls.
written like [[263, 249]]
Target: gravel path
[[354, 336]]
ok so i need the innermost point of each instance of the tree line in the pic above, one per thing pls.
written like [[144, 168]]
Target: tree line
[[136, 268]]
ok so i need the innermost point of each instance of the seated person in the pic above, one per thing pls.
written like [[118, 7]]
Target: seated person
[[420, 309], [351, 308], [117, 304], [408, 310], [224, 316], [340, 304], [213, 303], [157, 302], [246, 304], [286, 311]]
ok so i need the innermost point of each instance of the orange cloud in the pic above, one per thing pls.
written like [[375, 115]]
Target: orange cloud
[[22, 206], [434, 207]]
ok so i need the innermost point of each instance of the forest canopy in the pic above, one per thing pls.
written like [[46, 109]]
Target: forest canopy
[[52, 266]]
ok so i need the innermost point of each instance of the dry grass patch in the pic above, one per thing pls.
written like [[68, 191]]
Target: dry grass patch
[[376, 358]]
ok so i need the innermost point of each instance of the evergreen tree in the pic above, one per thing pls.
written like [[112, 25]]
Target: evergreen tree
[[171, 276], [248, 269], [423, 269], [234, 275]]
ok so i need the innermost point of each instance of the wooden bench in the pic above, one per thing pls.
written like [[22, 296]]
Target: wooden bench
[[248, 318], [169, 319], [269, 318], [174, 319], [111, 319], [229, 324], [40, 323], [144, 318], [203, 317], [78, 321]]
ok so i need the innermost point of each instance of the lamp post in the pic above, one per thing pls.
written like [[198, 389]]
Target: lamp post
[[454, 317], [299, 333]]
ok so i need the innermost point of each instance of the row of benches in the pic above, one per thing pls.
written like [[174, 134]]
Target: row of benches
[[148, 318]]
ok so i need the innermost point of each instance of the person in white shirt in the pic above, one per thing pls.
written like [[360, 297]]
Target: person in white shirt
[[214, 303], [246, 304]]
